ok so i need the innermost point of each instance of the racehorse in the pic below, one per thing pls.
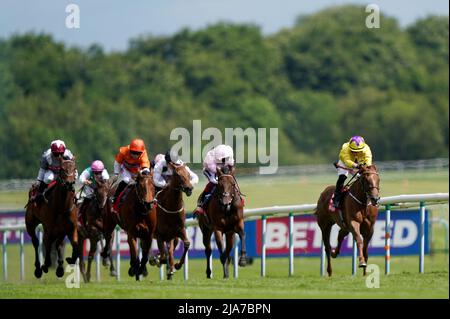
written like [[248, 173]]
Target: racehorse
[[91, 226], [225, 215], [58, 215], [137, 216], [359, 208], [171, 217]]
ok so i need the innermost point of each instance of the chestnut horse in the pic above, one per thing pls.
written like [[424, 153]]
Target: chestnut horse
[[225, 215], [172, 217], [137, 216], [359, 207], [58, 216], [91, 227]]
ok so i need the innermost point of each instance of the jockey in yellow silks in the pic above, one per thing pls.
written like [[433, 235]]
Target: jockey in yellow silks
[[353, 155]]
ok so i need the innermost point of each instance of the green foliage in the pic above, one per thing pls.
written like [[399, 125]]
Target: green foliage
[[325, 79]]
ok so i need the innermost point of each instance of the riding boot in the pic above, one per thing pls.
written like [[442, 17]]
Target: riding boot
[[119, 190], [40, 192], [199, 209], [338, 190]]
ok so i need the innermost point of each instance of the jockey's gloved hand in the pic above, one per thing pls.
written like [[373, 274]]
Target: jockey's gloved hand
[[357, 166]]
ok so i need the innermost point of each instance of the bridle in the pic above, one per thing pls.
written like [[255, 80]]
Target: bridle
[[68, 186], [226, 194], [366, 191], [147, 205]]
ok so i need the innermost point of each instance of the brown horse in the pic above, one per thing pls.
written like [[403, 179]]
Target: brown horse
[[225, 213], [91, 227], [359, 212], [172, 217], [137, 216], [58, 215]]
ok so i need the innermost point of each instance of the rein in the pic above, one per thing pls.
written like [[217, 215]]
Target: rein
[[164, 209]]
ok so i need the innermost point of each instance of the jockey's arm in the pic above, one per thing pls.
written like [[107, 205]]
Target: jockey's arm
[[193, 176], [158, 179], [85, 176], [368, 156], [68, 155], [345, 157], [105, 175], [210, 176], [117, 167]]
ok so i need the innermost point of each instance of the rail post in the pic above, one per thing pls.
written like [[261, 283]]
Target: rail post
[[422, 237], [263, 245], [387, 241], [291, 244]]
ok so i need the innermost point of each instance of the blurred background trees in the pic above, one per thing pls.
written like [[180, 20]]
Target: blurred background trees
[[325, 79]]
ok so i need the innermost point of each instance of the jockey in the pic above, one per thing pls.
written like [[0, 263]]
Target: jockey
[[354, 154], [220, 156], [163, 172], [50, 165], [87, 178], [129, 161]]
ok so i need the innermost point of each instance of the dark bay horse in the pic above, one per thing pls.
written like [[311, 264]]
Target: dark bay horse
[[91, 226], [137, 216], [225, 213], [172, 218], [58, 216], [359, 212]]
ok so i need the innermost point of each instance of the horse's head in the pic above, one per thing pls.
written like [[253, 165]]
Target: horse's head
[[67, 174], [145, 188], [226, 185], [371, 183], [181, 178], [101, 192]]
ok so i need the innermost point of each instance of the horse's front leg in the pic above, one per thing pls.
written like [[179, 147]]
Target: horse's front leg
[[162, 251], [186, 245], [73, 237], [145, 245], [134, 258], [31, 224], [60, 251], [171, 247], [241, 233], [93, 238], [229, 236], [48, 240], [355, 230], [219, 241]]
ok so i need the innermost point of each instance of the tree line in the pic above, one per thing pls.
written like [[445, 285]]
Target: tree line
[[323, 80]]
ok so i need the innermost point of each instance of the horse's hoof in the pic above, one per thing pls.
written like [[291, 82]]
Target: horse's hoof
[[169, 277], [362, 264], [333, 254], [44, 268], [242, 262], [178, 266], [153, 261], [106, 262], [38, 272], [131, 272], [144, 272], [59, 272], [113, 273]]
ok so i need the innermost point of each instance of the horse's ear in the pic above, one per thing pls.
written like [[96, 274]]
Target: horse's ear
[[219, 171]]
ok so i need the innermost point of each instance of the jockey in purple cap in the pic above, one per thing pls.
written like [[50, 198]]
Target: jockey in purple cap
[[353, 155]]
